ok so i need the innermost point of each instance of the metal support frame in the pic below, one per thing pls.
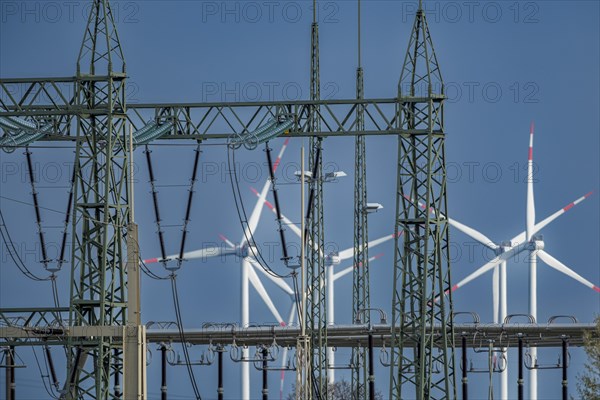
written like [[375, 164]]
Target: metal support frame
[[101, 209], [316, 316], [421, 259], [542, 335], [360, 274]]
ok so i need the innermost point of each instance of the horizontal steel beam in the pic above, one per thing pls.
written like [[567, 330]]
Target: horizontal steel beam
[[51, 102], [479, 335]]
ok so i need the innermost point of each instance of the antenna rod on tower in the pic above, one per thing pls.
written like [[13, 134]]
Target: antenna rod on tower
[[359, 55]]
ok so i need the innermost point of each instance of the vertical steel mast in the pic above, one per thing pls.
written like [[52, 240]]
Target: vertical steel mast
[[421, 261], [101, 209], [360, 274], [316, 270]]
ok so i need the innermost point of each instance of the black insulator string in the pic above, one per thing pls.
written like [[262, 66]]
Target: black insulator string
[[239, 204], [63, 244], [277, 207], [188, 209], [161, 241], [36, 206]]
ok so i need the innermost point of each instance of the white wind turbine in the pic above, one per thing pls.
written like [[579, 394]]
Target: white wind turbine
[[250, 265], [243, 251], [331, 260], [526, 241]]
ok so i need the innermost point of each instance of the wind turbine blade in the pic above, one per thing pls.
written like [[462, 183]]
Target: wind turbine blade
[[263, 294], [480, 237], [491, 264], [227, 241], [347, 270], [495, 292], [530, 199], [255, 216], [349, 252], [284, 219], [521, 237], [276, 280], [482, 270], [192, 255], [560, 212], [557, 265]]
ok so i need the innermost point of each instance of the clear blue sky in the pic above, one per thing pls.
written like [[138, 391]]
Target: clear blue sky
[[505, 64]]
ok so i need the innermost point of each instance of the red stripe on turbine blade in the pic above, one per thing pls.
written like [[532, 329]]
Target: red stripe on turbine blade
[[276, 164], [222, 237], [282, 323], [567, 208], [287, 141], [151, 261], [377, 256], [597, 289], [268, 204], [530, 154], [588, 195], [454, 287], [255, 191], [531, 128]]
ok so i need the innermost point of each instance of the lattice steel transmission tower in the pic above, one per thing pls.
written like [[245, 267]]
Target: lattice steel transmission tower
[[421, 259], [316, 320], [360, 275], [101, 208]]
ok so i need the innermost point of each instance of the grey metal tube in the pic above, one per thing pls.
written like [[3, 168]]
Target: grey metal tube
[[520, 379], [9, 375], [118, 392], [220, 375], [371, 368], [565, 383], [163, 384], [465, 379], [265, 366]]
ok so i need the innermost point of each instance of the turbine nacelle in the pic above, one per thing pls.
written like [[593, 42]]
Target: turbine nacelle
[[332, 259], [247, 251], [536, 243]]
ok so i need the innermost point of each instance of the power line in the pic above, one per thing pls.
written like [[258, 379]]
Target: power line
[[182, 336]]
